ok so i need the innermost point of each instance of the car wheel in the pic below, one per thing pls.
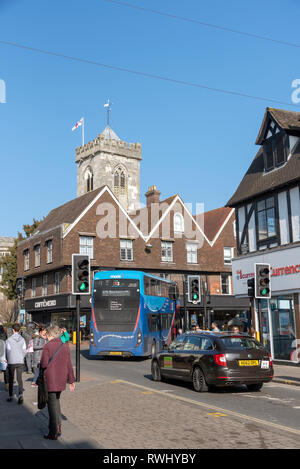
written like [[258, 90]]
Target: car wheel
[[199, 383], [255, 386], [156, 375]]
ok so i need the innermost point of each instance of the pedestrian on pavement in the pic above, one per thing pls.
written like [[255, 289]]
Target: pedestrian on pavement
[[235, 329], [15, 348], [39, 340], [57, 374], [3, 338], [214, 327], [27, 335], [65, 336]]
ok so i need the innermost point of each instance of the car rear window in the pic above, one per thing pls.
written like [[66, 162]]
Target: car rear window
[[240, 343]]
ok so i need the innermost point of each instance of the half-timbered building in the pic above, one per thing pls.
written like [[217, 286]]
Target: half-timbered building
[[267, 208]]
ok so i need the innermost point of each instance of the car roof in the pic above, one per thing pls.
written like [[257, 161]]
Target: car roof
[[216, 334]]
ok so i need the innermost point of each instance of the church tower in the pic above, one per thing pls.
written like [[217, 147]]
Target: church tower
[[107, 160]]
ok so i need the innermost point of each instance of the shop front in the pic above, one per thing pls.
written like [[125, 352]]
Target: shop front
[[224, 310], [280, 314], [61, 310]]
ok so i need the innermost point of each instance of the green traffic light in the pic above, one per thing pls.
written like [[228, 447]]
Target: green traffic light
[[83, 286]]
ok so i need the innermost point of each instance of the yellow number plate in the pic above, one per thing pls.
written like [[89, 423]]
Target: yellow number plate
[[115, 353], [248, 362]]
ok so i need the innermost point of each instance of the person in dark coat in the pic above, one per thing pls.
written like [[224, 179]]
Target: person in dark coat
[[57, 374]]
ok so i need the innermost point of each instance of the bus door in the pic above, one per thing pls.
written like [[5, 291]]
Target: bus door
[[155, 329]]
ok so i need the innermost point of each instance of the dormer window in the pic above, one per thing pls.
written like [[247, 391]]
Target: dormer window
[[276, 150]]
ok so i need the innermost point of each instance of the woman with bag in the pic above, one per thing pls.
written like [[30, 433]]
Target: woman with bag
[[57, 368], [39, 340]]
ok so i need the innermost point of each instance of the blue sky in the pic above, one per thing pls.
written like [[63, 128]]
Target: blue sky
[[195, 142]]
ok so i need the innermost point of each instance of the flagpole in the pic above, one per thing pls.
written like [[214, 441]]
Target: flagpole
[[82, 131]]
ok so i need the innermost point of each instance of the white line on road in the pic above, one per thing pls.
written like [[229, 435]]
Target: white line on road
[[217, 409]]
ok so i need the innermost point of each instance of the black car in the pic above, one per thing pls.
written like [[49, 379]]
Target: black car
[[214, 359]]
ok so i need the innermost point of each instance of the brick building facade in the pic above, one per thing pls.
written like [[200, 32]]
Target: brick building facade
[[163, 238]]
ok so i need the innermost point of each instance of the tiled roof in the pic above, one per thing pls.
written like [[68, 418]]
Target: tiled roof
[[68, 212], [287, 120], [213, 220]]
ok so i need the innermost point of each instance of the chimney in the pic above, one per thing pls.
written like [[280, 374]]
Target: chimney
[[152, 196]]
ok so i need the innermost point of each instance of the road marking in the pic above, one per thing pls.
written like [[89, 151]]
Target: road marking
[[217, 414], [147, 392], [115, 381], [215, 408]]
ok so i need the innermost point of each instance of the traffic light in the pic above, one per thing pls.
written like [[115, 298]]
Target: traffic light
[[20, 287], [262, 281], [80, 274], [194, 293], [251, 287]]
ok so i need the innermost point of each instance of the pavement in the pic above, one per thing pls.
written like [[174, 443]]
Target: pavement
[[103, 413]]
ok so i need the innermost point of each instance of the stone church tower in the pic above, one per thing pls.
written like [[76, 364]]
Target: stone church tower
[[107, 160]]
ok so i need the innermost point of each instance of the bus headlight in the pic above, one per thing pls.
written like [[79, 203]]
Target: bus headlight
[[139, 338]]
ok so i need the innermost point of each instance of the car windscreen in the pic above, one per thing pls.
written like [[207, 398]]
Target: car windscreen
[[116, 304], [239, 343]]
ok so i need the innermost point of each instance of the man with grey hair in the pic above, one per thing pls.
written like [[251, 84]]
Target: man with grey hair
[[58, 371]]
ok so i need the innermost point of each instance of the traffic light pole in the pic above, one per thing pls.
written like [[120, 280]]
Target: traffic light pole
[[184, 305], [260, 321], [78, 338]]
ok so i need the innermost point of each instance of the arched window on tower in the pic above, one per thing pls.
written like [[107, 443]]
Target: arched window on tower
[[120, 185], [89, 177]]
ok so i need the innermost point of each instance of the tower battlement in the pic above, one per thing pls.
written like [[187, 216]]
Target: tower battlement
[[113, 146]]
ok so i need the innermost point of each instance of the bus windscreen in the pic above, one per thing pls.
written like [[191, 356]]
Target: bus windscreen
[[116, 304]]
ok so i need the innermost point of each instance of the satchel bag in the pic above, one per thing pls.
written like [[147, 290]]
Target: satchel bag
[[42, 384]]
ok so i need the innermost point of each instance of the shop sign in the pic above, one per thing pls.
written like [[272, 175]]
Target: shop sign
[[52, 302], [284, 269]]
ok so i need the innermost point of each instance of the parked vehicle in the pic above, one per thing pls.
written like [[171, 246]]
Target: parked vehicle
[[214, 359]]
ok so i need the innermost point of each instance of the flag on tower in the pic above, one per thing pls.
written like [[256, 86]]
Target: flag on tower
[[78, 124]]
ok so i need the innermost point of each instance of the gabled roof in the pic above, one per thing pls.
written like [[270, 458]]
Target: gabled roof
[[256, 181], [286, 120], [68, 212], [214, 221]]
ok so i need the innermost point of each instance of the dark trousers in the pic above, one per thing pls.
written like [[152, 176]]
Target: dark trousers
[[54, 411], [11, 373]]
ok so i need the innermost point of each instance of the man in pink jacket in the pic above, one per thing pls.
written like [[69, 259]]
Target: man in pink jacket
[[58, 373]]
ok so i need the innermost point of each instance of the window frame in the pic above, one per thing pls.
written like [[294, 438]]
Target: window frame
[[84, 247], [26, 260], [168, 247], [49, 246], [45, 284], [127, 247], [178, 225], [37, 255], [192, 252], [269, 239], [227, 275], [231, 255], [56, 282]]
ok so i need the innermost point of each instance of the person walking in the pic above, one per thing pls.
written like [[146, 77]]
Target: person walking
[[15, 349], [3, 361], [58, 371], [39, 340], [214, 327], [27, 335]]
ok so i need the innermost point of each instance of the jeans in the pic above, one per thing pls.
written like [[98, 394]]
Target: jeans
[[54, 411], [11, 372], [29, 361]]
